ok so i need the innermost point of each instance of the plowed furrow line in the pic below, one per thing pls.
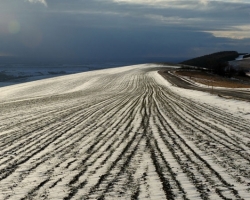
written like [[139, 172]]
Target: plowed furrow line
[[197, 161], [125, 136], [40, 136], [67, 125], [171, 185], [123, 169], [55, 153], [217, 113], [104, 115], [53, 116], [113, 124], [208, 127], [202, 134], [156, 140], [32, 193], [35, 114], [185, 162], [42, 123], [210, 133], [234, 124], [200, 108], [166, 185], [128, 169], [123, 80], [234, 157], [211, 119], [126, 127], [128, 181], [155, 155], [171, 160], [124, 157], [121, 135], [192, 110], [229, 120], [65, 119]]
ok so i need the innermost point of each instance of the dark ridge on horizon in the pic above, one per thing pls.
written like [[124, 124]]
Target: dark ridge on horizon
[[208, 61]]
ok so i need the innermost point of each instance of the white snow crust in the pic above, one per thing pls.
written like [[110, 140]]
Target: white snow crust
[[121, 133]]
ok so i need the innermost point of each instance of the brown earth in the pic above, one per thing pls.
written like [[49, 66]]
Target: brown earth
[[214, 80]]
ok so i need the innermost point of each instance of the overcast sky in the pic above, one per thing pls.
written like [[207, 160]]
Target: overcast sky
[[121, 30]]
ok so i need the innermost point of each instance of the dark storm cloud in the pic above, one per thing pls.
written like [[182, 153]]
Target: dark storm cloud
[[92, 30]]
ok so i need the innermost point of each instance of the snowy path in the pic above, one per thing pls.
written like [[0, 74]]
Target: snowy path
[[118, 134]]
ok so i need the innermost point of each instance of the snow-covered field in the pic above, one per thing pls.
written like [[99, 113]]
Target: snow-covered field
[[122, 133], [20, 73]]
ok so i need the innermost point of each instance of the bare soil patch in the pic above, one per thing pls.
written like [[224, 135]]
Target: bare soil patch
[[215, 80]]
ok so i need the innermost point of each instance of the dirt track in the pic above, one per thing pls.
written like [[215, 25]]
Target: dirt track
[[124, 136], [228, 93]]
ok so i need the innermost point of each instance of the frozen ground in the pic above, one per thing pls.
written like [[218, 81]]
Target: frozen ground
[[122, 133]]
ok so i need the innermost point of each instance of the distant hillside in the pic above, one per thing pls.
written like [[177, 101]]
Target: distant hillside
[[212, 61]]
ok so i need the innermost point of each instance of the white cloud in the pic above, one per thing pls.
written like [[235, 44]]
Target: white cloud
[[150, 2], [235, 32], [174, 19], [204, 2], [92, 12], [157, 3], [38, 1], [178, 3]]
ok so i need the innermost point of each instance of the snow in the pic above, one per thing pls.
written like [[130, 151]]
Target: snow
[[240, 57], [121, 132], [21, 73], [190, 81], [240, 108]]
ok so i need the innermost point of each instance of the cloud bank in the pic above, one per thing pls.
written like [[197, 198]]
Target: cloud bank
[[235, 32], [39, 1], [122, 30]]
